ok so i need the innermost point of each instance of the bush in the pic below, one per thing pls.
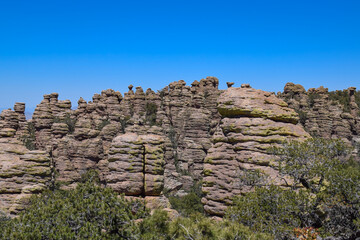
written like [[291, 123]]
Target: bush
[[196, 226], [342, 97], [190, 203], [155, 227], [29, 140], [272, 210], [123, 123], [357, 99], [311, 99], [199, 227], [302, 117], [150, 115], [322, 197], [103, 124], [68, 120], [86, 212]]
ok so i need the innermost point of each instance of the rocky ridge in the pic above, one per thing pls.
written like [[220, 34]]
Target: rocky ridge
[[252, 121], [326, 114], [153, 144]]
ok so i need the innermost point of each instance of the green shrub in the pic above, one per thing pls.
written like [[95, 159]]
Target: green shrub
[[302, 117], [3, 220], [103, 124], [323, 195], [311, 99], [199, 227], [341, 97], [86, 212], [68, 120], [357, 99], [196, 226], [150, 115], [253, 178], [272, 210], [29, 139], [323, 168], [123, 123], [190, 203], [156, 226], [309, 162]]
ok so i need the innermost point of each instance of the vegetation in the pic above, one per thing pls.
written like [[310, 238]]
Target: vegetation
[[341, 97], [68, 120], [302, 117], [150, 115], [29, 139], [174, 138], [357, 99], [311, 99], [92, 212], [196, 226], [322, 196], [123, 123], [103, 124], [87, 212], [190, 203]]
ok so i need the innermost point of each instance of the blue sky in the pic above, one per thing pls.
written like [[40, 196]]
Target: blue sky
[[78, 48]]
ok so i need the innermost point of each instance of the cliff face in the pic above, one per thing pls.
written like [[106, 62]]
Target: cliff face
[[22, 172], [147, 144], [251, 122], [326, 114]]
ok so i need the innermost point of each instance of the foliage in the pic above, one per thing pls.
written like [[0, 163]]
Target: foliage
[[190, 203], [86, 212], [311, 99], [342, 197], [357, 99], [3, 220], [323, 193], [68, 120], [174, 137], [123, 123], [30, 138], [342, 97], [156, 226], [150, 115], [309, 162], [252, 178], [302, 117], [272, 210], [103, 124], [196, 226], [322, 198]]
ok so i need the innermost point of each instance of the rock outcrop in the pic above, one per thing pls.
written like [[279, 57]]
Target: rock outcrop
[[136, 164], [326, 114], [252, 121], [145, 143], [22, 172]]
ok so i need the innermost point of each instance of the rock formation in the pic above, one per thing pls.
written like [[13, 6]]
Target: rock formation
[[251, 122], [150, 144], [22, 172], [326, 114]]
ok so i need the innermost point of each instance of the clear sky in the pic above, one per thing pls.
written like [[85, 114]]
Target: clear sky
[[78, 48]]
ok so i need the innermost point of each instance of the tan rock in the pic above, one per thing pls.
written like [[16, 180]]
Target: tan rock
[[252, 121], [22, 173]]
